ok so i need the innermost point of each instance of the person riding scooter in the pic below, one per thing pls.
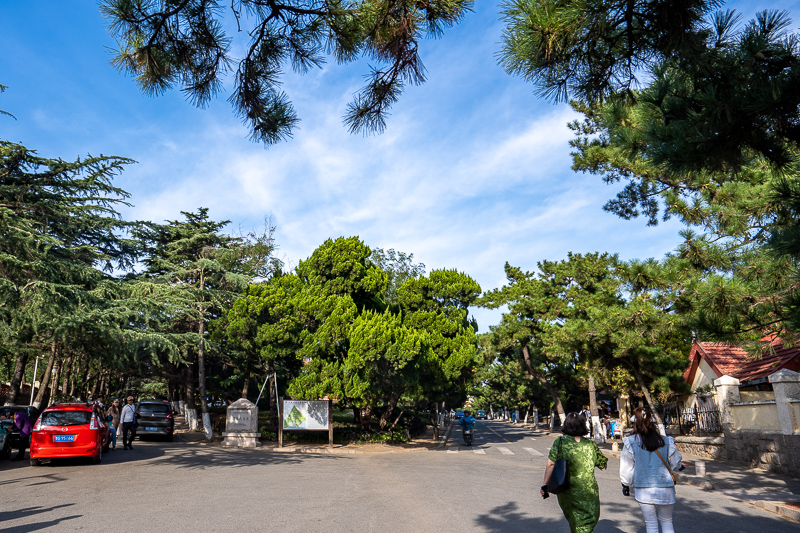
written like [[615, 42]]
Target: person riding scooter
[[467, 423]]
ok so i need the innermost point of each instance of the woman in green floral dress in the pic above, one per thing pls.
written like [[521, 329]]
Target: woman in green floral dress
[[581, 502]]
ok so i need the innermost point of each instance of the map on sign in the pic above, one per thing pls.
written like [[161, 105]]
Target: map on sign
[[305, 414]]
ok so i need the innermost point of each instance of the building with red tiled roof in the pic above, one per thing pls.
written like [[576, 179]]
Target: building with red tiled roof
[[711, 360]]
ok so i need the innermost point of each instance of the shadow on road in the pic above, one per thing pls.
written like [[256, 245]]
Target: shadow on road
[[510, 517], [32, 511]]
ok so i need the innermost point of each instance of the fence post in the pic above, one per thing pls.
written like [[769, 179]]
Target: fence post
[[786, 385], [280, 422], [727, 393]]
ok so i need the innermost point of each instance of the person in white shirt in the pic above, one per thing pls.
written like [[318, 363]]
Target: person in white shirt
[[128, 420], [646, 463]]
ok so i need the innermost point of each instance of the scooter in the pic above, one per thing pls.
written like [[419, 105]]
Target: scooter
[[468, 437]]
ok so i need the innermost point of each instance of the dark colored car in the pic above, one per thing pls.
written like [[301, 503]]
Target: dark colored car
[[459, 414], [481, 414], [155, 418], [69, 430], [10, 441]]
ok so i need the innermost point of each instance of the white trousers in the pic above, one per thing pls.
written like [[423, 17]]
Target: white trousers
[[655, 515]]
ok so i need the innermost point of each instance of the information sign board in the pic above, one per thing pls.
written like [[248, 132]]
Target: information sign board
[[310, 415]]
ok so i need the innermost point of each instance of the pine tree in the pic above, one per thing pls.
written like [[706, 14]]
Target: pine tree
[[59, 227], [198, 262], [167, 44]]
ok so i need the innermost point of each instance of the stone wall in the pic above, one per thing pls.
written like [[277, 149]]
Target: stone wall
[[771, 451], [708, 447]]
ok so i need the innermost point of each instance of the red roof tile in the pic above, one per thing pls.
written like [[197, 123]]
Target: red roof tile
[[729, 359]]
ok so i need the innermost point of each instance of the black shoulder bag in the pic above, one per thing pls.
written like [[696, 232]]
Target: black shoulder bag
[[559, 477]]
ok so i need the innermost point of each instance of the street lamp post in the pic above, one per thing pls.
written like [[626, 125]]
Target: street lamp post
[[33, 381]]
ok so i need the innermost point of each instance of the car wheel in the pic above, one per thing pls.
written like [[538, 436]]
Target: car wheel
[[105, 446], [96, 460], [36, 462], [171, 438]]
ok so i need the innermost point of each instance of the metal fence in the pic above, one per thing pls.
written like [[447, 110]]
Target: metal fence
[[691, 420]]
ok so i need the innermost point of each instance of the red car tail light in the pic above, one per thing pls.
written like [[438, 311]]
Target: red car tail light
[[38, 425], [168, 416], [93, 423]]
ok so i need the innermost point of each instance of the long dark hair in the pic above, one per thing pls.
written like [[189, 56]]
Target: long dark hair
[[644, 426], [574, 425]]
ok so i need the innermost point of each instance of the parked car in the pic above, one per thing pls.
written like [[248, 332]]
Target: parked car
[[69, 430], [155, 418], [5, 440], [459, 414], [481, 414], [10, 441]]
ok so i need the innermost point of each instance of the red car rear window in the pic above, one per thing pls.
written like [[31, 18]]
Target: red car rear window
[[66, 418]]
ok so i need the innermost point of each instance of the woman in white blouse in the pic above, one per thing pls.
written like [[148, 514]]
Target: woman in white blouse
[[646, 465]]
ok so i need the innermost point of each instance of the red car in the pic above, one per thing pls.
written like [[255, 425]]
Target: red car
[[69, 430]]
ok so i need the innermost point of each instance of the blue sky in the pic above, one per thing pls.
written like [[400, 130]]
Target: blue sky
[[472, 171]]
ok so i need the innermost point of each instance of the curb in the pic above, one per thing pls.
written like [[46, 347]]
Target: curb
[[446, 435], [779, 509], [341, 450]]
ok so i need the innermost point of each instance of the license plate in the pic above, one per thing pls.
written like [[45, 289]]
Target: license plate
[[151, 429], [63, 438]]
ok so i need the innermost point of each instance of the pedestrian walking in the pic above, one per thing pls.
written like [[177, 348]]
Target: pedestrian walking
[[587, 415], [580, 503], [114, 412], [128, 420], [646, 464], [24, 425]]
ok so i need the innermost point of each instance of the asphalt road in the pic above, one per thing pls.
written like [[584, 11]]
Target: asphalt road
[[492, 486]]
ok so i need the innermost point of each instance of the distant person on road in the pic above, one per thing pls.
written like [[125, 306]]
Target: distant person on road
[[467, 423], [24, 425], [581, 502], [644, 466], [587, 415], [128, 419], [113, 426]]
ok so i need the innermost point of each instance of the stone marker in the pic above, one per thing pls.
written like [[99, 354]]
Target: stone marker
[[241, 425]]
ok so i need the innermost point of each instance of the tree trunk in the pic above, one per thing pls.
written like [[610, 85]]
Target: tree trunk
[[69, 363], [396, 420], [201, 370], [541, 379], [98, 383], [42, 395], [366, 418], [387, 414], [16, 379], [84, 389], [246, 386], [56, 376], [73, 381], [191, 410], [649, 400], [595, 418]]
